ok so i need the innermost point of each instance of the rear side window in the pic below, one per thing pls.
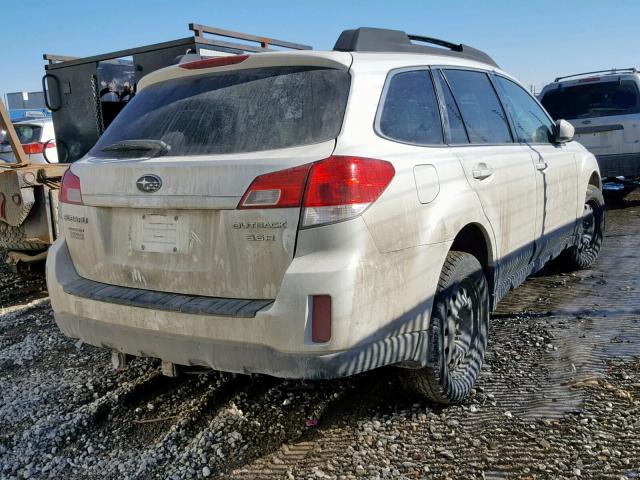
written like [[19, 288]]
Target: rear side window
[[480, 108], [235, 111], [410, 110], [532, 124], [602, 99], [456, 132], [26, 134]]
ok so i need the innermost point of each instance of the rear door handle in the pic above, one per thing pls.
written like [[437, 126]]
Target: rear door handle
[[482, 171], [542, 165]]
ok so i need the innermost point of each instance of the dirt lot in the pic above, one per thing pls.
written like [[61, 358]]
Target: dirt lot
[[559, 397]]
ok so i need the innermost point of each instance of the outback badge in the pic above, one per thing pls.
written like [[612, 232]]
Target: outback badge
[[149, 183]]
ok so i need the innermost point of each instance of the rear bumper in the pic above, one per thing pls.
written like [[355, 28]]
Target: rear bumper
[[241, 358], [623, 164], [369, 329]]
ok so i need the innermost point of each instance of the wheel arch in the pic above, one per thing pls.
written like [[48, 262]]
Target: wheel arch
[[475, 240], [595, 180]]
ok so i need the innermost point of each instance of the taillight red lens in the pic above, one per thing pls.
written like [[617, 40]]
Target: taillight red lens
[[337, 188], [36, 147], [31, 148], [279, 189], [214, 62], [70, 191], [341, 188], [341, 180]]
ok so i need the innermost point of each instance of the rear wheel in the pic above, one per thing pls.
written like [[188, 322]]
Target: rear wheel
[[458, 332], [591, 232]]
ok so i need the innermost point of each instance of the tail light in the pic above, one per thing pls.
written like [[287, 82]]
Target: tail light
[[214, 62], [331, 190], [36, 147], [70, 191], [340, 188], [281, 189]]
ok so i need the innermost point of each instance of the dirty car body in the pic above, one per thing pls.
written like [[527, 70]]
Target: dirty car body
[[290, 213]]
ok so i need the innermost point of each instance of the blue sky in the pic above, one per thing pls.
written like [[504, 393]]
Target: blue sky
[[533, 40]]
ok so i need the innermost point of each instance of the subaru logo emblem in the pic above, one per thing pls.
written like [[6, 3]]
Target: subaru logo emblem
[[149, 183]]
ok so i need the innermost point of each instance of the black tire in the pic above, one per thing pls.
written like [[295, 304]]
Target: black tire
[[454, 359], [591, 232], [13, 238]]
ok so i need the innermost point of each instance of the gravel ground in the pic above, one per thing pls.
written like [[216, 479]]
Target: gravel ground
[[19, 289], [559, 397]]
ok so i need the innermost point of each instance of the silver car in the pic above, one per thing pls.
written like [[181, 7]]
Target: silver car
[[320, 214]]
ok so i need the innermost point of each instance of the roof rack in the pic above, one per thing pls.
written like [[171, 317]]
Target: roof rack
[[611, 70], [197, 42], [367, 39], [264, 42]]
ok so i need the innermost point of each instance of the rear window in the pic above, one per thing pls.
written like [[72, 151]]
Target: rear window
[[588, 100], [235, 111], [26, 134]]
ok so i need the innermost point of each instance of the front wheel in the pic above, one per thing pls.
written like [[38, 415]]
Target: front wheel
[[590, 233], [458, 331]]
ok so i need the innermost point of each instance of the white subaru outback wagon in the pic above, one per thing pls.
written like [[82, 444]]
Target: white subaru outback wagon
[[320, 214]]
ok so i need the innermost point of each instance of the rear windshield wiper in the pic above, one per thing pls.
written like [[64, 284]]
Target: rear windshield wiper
[[158, 147]]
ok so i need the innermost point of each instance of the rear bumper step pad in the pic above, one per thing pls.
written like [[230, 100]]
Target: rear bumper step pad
[[173, 302]]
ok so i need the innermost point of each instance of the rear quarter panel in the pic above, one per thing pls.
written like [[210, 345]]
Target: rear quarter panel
[[398, 220]]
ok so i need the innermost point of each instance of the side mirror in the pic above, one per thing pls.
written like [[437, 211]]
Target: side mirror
[[564, 131]]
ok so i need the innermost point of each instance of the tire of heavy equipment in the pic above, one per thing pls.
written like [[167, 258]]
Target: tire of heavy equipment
[[13, 238], [591, 232], [458, 332]]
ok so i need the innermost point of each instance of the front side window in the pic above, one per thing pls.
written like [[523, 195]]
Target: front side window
[[410, 110], [589, 100], [531, 123], [236, 111], [480, 108]]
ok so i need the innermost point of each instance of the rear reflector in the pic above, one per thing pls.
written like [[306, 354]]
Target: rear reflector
[[70, 191], [331, 190], [321, 318], [214, 62]]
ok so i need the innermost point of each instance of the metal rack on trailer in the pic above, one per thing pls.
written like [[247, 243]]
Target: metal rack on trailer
[[85, 95]]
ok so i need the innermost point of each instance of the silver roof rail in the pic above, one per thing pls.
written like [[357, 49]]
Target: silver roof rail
[[611, 70]]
